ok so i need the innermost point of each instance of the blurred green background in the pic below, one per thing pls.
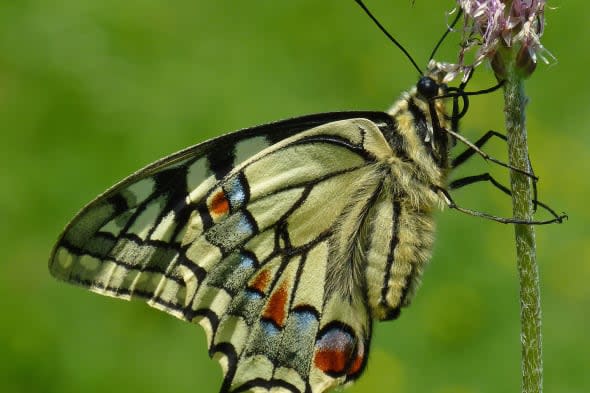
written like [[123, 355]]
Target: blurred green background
[[92, 90]]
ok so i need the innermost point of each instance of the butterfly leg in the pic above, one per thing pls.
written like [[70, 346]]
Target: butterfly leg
[[504, 220], [469, 152], [474, 148], [467, 180]]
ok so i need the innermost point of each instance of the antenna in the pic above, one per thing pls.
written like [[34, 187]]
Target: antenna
[[364, 7], [449, 29]]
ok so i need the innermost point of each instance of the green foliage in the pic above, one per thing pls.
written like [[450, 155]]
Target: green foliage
[[91, 91]]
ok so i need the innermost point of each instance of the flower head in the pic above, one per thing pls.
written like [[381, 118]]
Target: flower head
[[493, 25]]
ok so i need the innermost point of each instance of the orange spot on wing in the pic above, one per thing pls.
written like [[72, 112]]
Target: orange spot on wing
[[275, 309], [338, 353], [219, 204], [331, 361], [261, 281]]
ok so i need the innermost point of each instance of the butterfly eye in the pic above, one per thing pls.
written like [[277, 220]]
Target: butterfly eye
[[427, 87]]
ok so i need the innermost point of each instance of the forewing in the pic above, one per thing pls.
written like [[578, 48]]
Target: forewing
[[242, 246]]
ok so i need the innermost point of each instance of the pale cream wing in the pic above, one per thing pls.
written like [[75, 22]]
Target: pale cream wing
[[245, 253]]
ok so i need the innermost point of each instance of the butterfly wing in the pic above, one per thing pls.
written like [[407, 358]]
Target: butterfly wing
[[254, 247]]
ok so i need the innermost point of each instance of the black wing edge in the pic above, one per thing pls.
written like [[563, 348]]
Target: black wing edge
[[282, 129], [274, 132]]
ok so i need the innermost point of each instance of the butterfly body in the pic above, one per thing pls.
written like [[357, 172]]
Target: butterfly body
[[283, 241]]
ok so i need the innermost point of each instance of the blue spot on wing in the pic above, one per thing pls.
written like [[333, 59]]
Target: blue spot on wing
[[236, 192], [297, 346], [245, 225], [232, 272], [246, 261], [304, 321], [253, 295], [231, 232], [269, 328], [335, 340]]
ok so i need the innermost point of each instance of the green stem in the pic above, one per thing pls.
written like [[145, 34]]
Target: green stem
[[522, 195]]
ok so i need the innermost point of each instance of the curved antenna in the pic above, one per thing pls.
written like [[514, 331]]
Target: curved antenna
[[462, 93], [449, 29], [364, 7]]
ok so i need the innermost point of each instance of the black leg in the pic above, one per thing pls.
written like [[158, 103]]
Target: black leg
[[469, 152], [485, 155], [451, 204], [465, 181]]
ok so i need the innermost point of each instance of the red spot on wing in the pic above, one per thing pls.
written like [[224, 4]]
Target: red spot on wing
[[260, 282], [275, 308], [219, 204], [338, 352], [331, 361]]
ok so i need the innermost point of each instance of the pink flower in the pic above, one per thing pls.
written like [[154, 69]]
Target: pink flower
[[494, 24]]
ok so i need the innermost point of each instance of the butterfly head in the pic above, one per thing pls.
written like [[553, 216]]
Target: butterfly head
[[427, 108], [427, 87], [433, 82]]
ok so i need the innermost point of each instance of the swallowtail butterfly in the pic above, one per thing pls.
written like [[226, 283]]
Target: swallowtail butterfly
[[283, 241]]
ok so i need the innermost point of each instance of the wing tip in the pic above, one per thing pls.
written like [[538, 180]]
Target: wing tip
[[60, 262]]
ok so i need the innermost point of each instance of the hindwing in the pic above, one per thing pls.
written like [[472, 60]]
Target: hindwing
[[243, 234]]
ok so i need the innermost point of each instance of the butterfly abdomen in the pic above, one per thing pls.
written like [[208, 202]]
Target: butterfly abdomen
[[399, 227], [398, 247]]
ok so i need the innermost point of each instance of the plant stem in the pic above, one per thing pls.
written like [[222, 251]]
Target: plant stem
[[522, 196]]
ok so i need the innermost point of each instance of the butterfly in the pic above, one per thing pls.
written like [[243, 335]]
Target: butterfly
[[283, 241]]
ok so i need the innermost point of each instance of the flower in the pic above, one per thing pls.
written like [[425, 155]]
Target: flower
[[491, 26]]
